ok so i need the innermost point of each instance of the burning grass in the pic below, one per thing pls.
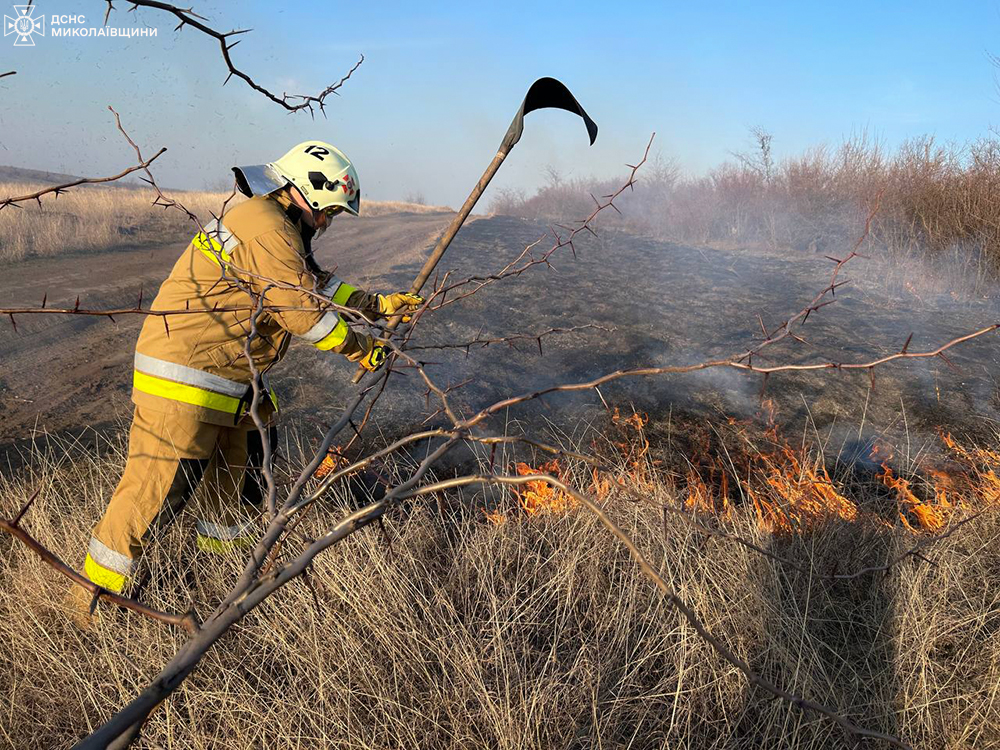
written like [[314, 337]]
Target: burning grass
[[449, 631], [789, 489]]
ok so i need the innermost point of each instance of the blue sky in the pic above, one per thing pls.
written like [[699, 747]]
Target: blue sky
[[441, 81]]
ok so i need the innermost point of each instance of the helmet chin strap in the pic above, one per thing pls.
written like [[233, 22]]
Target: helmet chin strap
[[300, 207]]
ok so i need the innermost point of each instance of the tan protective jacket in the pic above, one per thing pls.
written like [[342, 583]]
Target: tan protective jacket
[[195, 362]]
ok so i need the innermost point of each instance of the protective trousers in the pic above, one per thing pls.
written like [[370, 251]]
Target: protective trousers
[[168, 456]]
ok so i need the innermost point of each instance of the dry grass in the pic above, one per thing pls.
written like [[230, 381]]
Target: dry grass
[[384, 208], [93, 218], [99, 218], [540, 632]]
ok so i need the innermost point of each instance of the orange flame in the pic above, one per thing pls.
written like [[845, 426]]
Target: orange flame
[[538, 496], [801, 496], [929, 516], [793, 493], [698, 498], [634, 448], [495, 517], [331, 462], [789, 489]]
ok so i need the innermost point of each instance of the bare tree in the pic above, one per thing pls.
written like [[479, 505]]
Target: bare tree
[[760, 161]]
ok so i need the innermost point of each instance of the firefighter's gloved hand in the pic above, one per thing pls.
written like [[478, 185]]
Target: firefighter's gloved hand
[[390, 304], [375, 357]]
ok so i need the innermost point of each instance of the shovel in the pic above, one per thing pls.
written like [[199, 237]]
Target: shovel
[[545, 93]]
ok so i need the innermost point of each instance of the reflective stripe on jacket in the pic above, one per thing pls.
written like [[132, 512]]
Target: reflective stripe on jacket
[[195, 361]]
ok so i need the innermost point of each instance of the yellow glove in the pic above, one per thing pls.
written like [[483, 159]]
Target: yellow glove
[[374, 359], [390, 304]]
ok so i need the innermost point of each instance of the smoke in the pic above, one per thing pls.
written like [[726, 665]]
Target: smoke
[[710, 253], [669, 304]]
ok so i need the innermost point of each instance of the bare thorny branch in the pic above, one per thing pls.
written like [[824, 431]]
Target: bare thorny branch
[[264, 573], [526, 260], [187, 17], [481, 341], [187, 621], [56, 190]]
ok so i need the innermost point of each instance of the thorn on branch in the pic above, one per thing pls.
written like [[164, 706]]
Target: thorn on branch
[[385, 533], [308, 581], [24, 508], [834, 286], [354, 427], [949, 363], [907, 344]]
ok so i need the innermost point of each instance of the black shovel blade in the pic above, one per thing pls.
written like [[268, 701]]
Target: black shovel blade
[[546, 93]]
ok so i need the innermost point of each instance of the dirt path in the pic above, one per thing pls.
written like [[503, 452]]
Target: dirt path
[[60, 373]]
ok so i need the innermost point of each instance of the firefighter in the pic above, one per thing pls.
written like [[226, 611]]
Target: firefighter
[[192, 377]]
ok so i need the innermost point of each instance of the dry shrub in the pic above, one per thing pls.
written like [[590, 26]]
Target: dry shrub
[[98, 218], [939, 202], [450, 632]]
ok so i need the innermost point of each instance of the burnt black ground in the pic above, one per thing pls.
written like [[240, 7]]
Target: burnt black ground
[[667, 304], [670, 304]]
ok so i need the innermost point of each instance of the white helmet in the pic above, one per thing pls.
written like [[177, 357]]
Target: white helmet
[[325, 177]]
